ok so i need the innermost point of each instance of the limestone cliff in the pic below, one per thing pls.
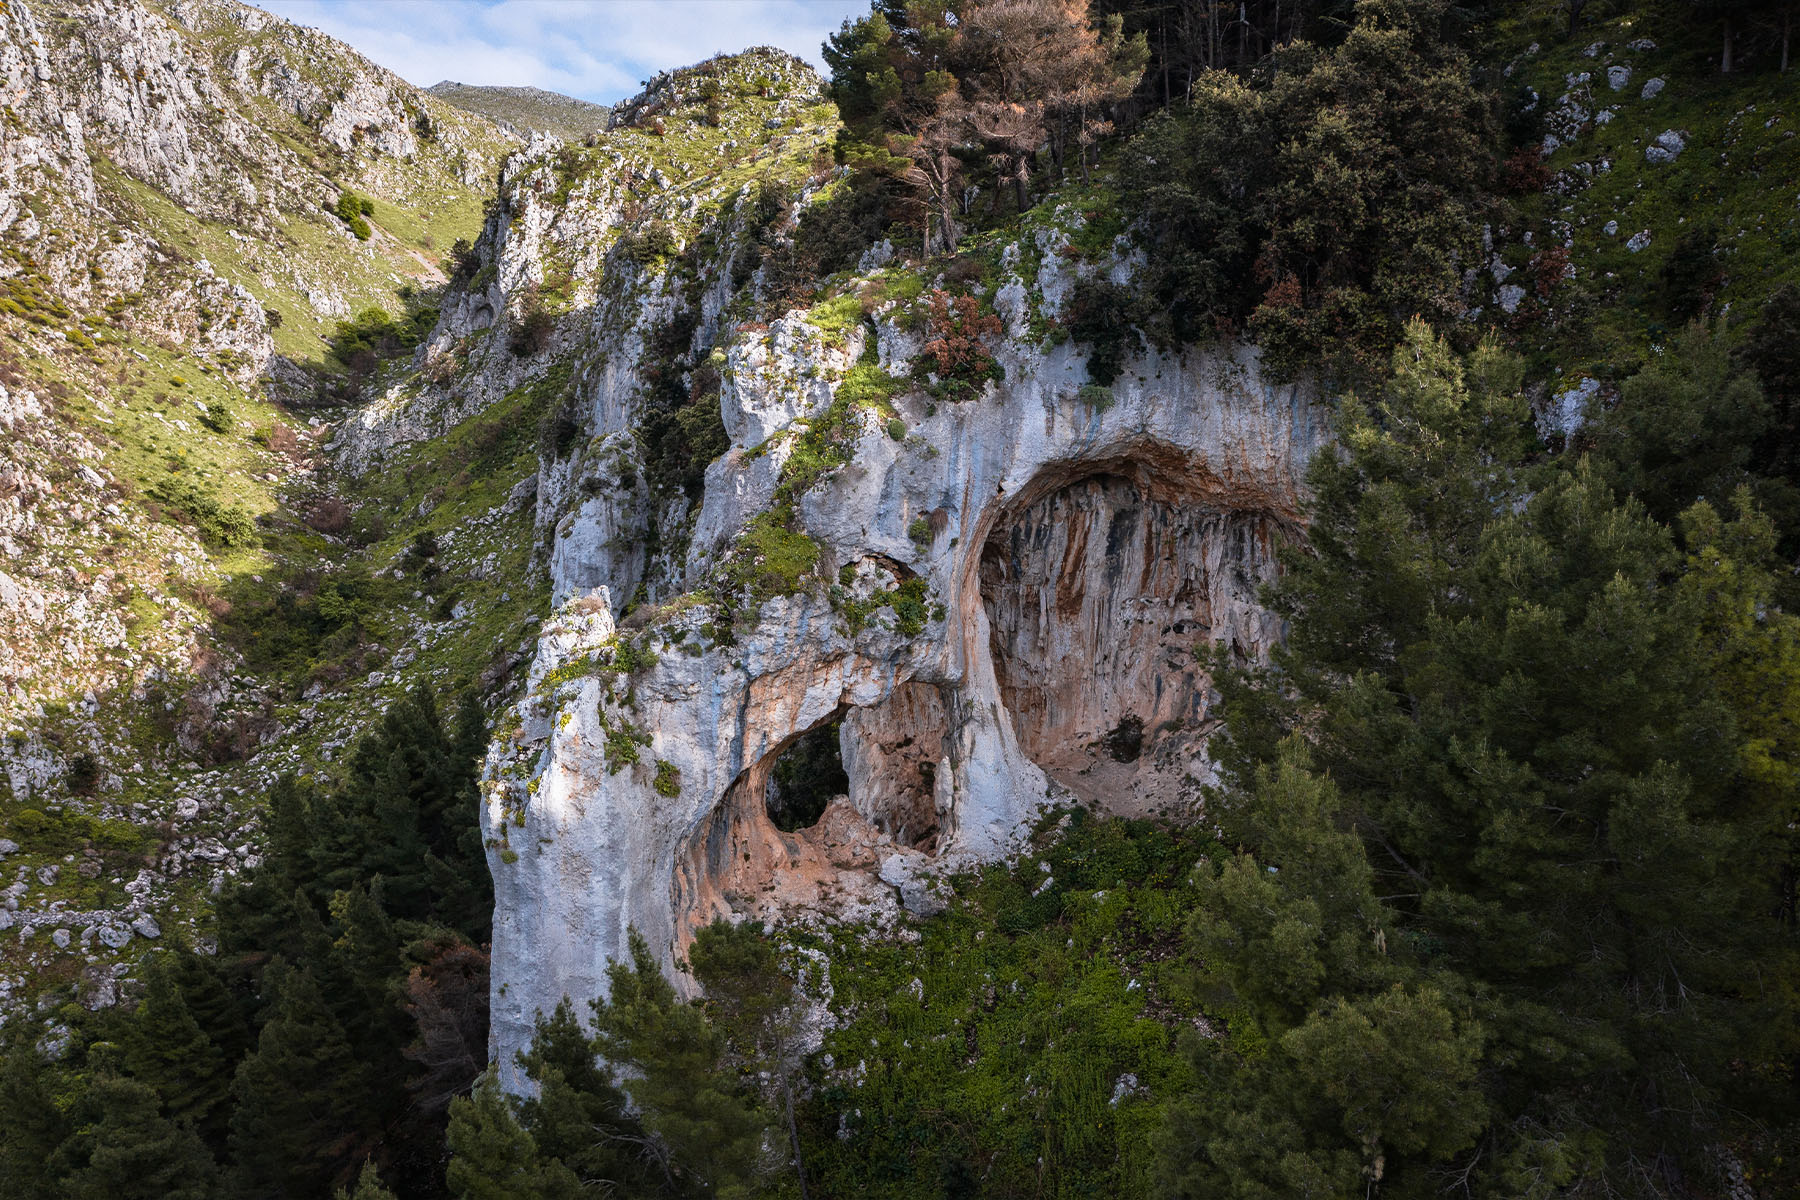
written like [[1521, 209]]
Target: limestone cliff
[[753, 520], [999, 596]]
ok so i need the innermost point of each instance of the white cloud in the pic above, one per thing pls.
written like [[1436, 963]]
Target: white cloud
[[595, 49]]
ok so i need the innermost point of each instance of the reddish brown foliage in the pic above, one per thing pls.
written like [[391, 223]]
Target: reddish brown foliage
[[956, 326], [1524, 172], [447, 999], [329, 514], [1283, 293], [1548, 268]]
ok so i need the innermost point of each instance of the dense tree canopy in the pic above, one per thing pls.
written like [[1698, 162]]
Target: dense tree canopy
[[1323, 200], [327, 1030], [1509, 827]]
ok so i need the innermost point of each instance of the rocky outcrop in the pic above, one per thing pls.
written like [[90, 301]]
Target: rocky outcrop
[[1074, 557]]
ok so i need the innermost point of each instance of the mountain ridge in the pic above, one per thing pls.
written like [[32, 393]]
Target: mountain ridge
[[523, 109]]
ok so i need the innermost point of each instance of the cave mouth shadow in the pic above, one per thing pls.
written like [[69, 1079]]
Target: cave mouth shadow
[[809, 821], [1101, 584], [806, 777]]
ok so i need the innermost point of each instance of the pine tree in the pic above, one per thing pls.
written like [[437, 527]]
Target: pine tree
[[367, 950], [166, 1049], [368, 1186], [495, 1159], [31, 1124], [299, 1098], [705, 1132], [124, 1149], [220, 1015], [578, 1115], [751, 998], [1511, 819], [1685, 427]]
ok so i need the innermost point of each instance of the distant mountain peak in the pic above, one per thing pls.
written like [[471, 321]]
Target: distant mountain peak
[[525, 110]]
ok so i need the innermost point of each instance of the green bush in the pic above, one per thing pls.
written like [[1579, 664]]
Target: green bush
[[220, 523], [54, 834], [771, 558], [1321, 202], [621, 748], [1102, 316], [993, 1047], [649, 245], [351, 209], [372, 336]]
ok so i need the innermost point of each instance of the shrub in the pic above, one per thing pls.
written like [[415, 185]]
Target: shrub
[[668, 779], [217, 417], [1100, 316], [560, 430], [1095, 397], [362, 343], [219, 523], [649, 245], [633, 657], [83, 775], [622, 742], [954, 350], [351, 209], [896, 429], [531, 332], [771, 558], [329, 514], [465, 260]]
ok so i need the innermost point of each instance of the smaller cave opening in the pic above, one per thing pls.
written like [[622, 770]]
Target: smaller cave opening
[[805, 779], [893, 751]]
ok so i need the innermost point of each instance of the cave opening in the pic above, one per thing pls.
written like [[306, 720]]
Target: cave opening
[[806, 777], [895, 751], [1098, 591]]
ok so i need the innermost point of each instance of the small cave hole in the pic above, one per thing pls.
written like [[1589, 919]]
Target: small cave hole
[[809, 773], [1126, 741]]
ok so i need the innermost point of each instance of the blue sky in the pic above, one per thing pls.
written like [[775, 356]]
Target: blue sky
[[595, 49]]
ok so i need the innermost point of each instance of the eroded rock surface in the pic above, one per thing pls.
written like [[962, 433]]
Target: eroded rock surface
[[1074, 560]]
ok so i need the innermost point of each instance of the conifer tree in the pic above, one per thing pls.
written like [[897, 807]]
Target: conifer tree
[[578, 1115], [368, 951], [220, 1015], [124, 1149], [368, 1186], [1508, 825], [166, 1049], [1685, 427], [495, 1159], [752, 1000], [704, 1132], [299, 1098], [31, 1124]]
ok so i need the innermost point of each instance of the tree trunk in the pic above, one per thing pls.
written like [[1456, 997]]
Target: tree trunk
[[1575, 7], [1725, 54], [787, 1096], [1163, 40], [1787, 31]]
